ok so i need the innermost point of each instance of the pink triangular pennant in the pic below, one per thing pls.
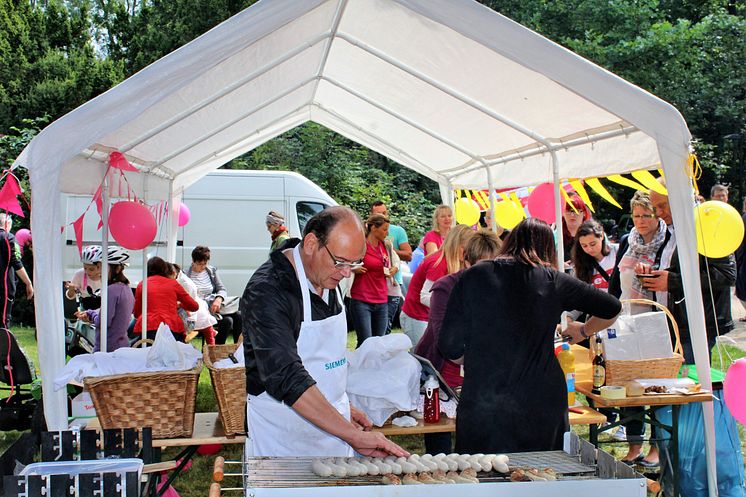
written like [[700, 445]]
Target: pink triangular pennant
[[119, 161], [8, 200], [99, 206], [12, 183], [78, 228]]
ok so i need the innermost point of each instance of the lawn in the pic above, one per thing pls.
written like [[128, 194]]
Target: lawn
[[195, 481]]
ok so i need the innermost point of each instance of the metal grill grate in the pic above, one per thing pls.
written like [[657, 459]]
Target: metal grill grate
[[272, 472]]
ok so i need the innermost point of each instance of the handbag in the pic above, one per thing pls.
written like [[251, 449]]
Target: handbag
[[229, 306]]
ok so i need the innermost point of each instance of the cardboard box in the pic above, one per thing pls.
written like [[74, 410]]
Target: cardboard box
[[82, 406]]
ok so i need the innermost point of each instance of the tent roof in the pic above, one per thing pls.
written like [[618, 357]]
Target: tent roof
[[448, 88]]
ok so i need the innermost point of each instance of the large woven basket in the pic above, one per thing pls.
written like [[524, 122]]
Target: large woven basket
[[619, 372], [229, 385], [163, 400]]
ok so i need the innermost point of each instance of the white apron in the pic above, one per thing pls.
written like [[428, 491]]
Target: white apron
[[276, 429]]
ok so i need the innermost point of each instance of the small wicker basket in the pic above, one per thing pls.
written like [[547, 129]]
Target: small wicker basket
[[163, 400], [620, 372], [229, 385]]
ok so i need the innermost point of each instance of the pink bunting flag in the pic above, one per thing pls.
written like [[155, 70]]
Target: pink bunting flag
[[99, 206], [119, 161], [12, 183], [8, 200], [78, 228]]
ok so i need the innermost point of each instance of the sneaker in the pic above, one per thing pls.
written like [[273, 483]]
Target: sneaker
[[620, 434]]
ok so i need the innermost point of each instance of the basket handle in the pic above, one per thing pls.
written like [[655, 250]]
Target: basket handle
[[677, 348]]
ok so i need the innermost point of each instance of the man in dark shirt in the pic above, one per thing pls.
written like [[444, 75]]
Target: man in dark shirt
[[295, 340]]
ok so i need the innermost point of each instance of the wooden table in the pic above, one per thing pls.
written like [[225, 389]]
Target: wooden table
[[584, 385]]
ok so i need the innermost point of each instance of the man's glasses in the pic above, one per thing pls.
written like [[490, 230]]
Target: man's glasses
[[644, 216], [343, 264]]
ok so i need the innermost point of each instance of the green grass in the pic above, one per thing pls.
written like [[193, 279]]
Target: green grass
[[195, 481]]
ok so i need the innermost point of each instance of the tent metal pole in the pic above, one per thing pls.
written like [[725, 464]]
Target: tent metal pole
[[145, 279], [444, 88], [541, 149], [412, 163], [224, 91], [558, 213], [174, 203], [419, 127], [491, 186], [104, 318], [232, 122], [328, 45]]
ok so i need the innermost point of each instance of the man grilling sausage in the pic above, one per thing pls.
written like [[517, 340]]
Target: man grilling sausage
[[295, 339]]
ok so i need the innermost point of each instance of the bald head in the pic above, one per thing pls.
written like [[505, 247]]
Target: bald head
[[332, 239]]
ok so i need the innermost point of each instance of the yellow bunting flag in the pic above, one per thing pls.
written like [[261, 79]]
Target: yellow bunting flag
[[647, 179], [479, 197], [621, 180], [485, 199], [504, 196], [567, 199], [661, 173], [515, 200], [597, 187], [578, 186]]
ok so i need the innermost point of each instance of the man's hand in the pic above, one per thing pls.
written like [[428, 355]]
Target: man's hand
[[359, 419], [29, 292], [82, 315], [374, 444], [659, 283]]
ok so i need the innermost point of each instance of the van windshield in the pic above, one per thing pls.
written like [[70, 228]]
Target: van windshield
[[306, 210]]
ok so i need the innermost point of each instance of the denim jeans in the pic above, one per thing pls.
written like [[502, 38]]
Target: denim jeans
[[369, 319], [413, 328], [393, 306]]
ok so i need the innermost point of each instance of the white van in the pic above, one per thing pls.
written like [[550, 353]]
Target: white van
[[228, 211]]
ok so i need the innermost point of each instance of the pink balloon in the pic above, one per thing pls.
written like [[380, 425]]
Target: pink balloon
[[184, 214], [541, 203], [132, 225], [735, 390], [23, 236]]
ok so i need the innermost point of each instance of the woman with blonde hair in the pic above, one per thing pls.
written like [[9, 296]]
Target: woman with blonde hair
[[369, 293], [442, 222], [448, 260]]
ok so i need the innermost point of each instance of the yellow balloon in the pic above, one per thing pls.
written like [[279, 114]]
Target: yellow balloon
[[467, 211], [508, 215], [719, 228]]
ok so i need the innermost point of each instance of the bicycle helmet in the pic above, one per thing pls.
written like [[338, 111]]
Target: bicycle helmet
[[117, 255], [91, 254]]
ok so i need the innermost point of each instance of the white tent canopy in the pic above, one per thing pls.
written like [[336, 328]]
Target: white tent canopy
[[447, 88]]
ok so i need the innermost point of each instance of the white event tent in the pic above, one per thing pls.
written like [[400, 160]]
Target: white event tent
[[447, 88]]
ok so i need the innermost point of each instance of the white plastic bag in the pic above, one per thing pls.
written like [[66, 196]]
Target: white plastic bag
[[635, 337], [383, 377], [165, 352]]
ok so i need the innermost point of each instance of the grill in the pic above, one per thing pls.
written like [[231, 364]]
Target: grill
[[579, 473]]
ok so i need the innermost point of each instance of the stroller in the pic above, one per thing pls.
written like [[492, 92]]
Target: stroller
[[17, 410]]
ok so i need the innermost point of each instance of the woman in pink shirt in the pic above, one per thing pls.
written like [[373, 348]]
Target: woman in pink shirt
[[369, 294], [442, 222], [448, 260]]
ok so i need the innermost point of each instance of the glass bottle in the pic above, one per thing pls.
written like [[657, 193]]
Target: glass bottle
[[432, 400], [599, 367]]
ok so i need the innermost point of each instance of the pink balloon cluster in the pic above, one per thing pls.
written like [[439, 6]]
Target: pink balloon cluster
[[734, 388], [184, 214], [132, 225]]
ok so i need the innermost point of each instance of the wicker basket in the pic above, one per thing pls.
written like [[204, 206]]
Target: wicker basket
[[619, 372], [229, 385], [163, 400]]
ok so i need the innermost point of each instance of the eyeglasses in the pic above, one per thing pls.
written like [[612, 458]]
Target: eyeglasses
[[643, 216], [343, 264]]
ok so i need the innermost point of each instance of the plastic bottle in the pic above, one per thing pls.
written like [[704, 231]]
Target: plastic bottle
[[432, 400], [567, 362]]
